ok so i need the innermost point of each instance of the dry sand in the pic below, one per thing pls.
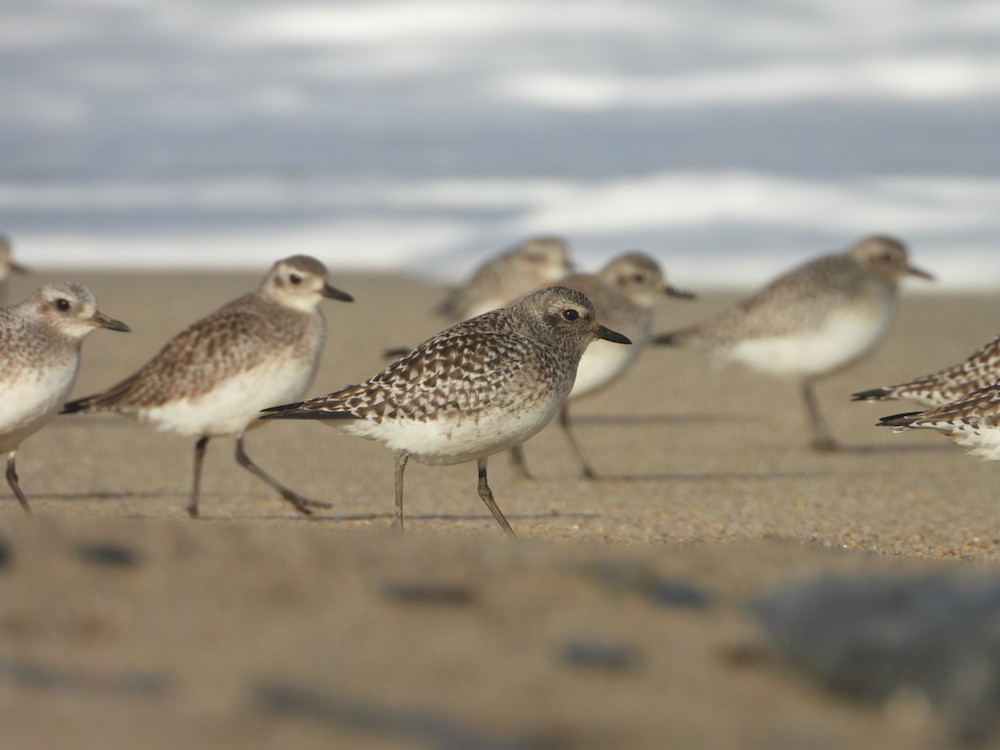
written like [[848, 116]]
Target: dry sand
[[126, 625]]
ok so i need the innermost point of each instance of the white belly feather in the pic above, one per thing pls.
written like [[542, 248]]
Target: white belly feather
[[466, 437], [843, 338], [31, 399], [234, 405]]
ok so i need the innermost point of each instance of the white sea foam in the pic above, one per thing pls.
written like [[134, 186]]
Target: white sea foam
[[729, 139]]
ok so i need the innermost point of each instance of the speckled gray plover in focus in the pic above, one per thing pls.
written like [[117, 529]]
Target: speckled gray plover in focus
[[535, 263], [813, 321], [473, 390], [982, 368], [213, 378], [973, 420], [40, 342], [624, 294]]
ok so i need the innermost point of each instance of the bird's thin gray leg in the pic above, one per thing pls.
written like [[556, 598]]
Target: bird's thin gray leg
[[199, 458], [821, 436], [301, 504], [401, 459], [564, 423], [487, 495], [14, 485], [517, 463]]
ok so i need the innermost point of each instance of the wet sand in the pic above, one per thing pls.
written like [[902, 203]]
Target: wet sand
[[124, 624]]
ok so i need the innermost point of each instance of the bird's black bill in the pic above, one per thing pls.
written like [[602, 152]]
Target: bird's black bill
[[673, 291], [331, 292], [920, 272], [608, 335], [110, 323]]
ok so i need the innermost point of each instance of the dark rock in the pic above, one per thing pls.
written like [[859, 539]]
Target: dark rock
[[110, 554], [870, 637]]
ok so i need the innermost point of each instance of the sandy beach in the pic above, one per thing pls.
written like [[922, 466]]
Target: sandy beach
[[125, 624]]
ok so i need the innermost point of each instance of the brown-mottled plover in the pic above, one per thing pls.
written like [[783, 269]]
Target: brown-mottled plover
[[473, 390], [981, 369], [534, 263], [40, 342], [973, 420], [624, 294], [813, 321], [213, 378]]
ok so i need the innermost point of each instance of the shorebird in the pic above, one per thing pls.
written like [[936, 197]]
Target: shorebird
[[473, 390], [973, 420], [624, 294], [213, 378], [533, 264], [40, 342], [813, 321], [982, 368]]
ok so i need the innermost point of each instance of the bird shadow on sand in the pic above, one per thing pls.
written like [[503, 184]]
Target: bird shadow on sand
[[585, 420], [123, 495], [725, 476], [889, 448]]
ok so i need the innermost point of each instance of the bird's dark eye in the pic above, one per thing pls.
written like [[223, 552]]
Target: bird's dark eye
[[638, 278], [295, 278], [62, 304], [571, 314]]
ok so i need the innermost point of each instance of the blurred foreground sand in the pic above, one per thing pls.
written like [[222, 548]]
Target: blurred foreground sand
[[255, 627]]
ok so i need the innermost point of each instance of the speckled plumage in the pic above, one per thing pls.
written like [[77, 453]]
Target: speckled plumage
[[534, 263], [812, 321], [474, 389], [980, 369], [213, 378], [40, 342], [624, 293], [973, 420]]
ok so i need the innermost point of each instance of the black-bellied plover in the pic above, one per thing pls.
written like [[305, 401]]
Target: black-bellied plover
[[813, 321], [473, 390], [213, 378], [535, 263], [972, 420], [8, 266], [624, 294], [40, 342], [982, 368]]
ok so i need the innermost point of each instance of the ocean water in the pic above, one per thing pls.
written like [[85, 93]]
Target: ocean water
[[730, 139]]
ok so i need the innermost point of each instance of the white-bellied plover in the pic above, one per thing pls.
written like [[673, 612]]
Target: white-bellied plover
[[40, 342], [473, 390], [973, 420], [813, 321], [982, 368], [213, 378], [624, 294], [535, 263], [8, 266]]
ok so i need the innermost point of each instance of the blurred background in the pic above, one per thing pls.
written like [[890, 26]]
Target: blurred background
[[729, 139]]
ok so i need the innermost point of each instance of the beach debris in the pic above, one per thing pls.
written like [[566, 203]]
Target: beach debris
[[594, 654], [431, 729], [428, 592], [33, 674], [110, 554], [626, 576]]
